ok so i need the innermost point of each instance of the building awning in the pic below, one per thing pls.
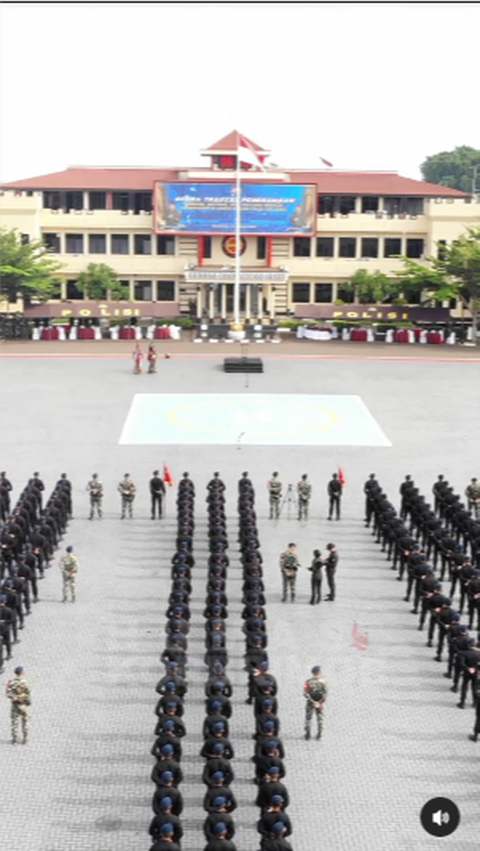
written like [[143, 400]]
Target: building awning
[[227, 276]]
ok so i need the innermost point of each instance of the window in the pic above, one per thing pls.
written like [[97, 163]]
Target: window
[[414, 206], [392, 205], [97, 200], [369, 203], [142, 202], [121, 201], [143, 291], [301, 246], [51, 200], [97, 243], [346, 204], [120, 243], [369, 246], [165, 290], [392, 246], [52, 241], [325, 205], [74, 243], [414, 248], [25, 238], [324, 246], [74, 201], [323, 292], [347, 296], [166, 244], [72, 290], [348, 246], [142, 243], [441, 249], [207, 246], [261, 247], [301, 292]]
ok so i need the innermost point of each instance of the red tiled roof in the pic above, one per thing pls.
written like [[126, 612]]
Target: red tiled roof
[[230, 143], [327, 182], [371, 183]]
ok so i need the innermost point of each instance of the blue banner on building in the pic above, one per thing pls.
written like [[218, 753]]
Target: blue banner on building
[[210, 208]]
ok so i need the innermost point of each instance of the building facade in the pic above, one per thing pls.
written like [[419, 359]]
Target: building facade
[[110, 215]]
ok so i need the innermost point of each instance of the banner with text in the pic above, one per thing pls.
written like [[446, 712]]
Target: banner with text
[[210, 208]]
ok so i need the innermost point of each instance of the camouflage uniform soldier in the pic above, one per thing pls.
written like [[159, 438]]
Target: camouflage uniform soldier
[[289, 565], [95, 489], [315, 692], [275, 494], [304, 490], [18, 693], [69, 568], [127, 490], [472, 492]]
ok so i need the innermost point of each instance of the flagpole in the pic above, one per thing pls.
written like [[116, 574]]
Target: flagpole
[[236, 288]]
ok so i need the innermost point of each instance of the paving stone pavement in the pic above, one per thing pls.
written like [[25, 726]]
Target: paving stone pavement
[[393, 735]]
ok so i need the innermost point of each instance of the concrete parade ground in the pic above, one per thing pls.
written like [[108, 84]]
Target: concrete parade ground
[[393, 737]]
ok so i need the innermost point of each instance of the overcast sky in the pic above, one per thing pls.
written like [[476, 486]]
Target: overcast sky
[[368, 87]]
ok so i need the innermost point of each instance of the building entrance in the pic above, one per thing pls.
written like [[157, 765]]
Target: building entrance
[[218, 301]]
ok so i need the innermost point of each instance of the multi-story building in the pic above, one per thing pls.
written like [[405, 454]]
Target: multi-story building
[[341, 222]]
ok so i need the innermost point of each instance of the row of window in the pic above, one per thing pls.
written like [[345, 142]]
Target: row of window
[[96, 243], [142, 202], [142, 290], [347, 246]]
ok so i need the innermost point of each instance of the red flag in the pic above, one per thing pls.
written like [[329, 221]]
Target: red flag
[[341, 476], [247, 153], [167, 476], [326, 162]]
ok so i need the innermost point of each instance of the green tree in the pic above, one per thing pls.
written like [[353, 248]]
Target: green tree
[[371, 287], [99, 279], [452, 168], [461, 264], [26, 269], [417, 282]]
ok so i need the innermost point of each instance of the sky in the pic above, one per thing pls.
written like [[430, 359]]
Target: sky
[[375, 87]]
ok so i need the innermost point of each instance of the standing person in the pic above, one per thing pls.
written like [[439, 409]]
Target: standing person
[[157, 492], [137, 357], [95, 489], [304, 491], [37, 487], [69, 568], [331, 566], [19, 695], [152, 359], [5, 488], [127, 491], [472, 492], [274, 486], [315, 692], [316, 579], [289, 565], [334, 489], [65, 486]]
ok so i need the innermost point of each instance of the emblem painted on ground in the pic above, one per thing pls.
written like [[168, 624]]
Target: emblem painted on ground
[[263, 419]]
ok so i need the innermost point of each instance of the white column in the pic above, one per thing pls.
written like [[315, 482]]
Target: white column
[[199, 303], [224, 301], [210, 301], [272, 303], [247, 301]]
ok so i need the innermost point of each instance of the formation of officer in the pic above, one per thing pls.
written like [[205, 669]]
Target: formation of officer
[[166, 828], [30, 533], [438, 549], [272, 795]]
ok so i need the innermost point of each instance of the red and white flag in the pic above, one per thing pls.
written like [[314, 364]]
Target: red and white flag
[[167, 476], [326, 162], [247, 153], [341, 476]]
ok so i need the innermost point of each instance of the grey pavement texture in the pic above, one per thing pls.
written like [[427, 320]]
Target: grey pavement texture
[[393, 735]]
